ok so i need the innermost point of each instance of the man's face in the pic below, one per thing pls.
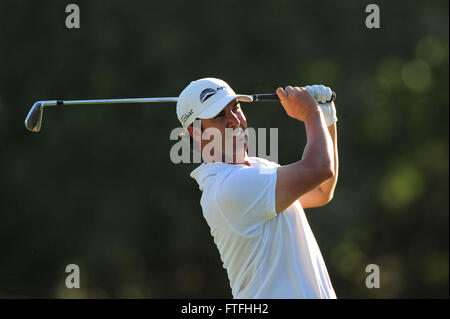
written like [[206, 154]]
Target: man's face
[[232, 118]]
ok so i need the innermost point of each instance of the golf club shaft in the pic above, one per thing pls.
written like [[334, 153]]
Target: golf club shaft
[[256, 98], [108, 101], [274, 97], [33, 121]]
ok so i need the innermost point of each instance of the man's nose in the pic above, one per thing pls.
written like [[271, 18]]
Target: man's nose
[[233, 120]]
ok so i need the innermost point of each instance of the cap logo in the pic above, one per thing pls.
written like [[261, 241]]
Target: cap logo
[[186, 115], [206, 94]]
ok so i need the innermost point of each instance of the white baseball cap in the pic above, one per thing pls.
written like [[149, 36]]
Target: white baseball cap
[[204, 99]]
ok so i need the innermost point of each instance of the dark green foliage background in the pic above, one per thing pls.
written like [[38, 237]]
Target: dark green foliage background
[[96, 186]]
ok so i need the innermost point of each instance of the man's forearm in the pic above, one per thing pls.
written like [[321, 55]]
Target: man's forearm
[[328, 186], [319, 146]]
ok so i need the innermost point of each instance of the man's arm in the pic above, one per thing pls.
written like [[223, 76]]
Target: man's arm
[[323, 194], [316, 165]]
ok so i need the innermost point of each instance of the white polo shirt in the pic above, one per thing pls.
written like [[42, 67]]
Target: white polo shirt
[[266, 255]]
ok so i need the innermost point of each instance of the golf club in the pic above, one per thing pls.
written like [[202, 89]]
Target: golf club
[[33, 121]]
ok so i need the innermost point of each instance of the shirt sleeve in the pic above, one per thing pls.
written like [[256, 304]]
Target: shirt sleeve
[[246, 198]]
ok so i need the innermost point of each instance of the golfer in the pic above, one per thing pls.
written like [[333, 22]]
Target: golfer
[[255, 207]]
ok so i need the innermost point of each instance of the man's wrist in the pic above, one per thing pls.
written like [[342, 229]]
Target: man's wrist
[[313, 114], [329, 112]]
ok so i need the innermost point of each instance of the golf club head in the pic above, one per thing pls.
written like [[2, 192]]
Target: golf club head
[[33, 120]]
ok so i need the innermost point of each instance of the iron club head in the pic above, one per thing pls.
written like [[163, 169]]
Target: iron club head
[[33, 121]]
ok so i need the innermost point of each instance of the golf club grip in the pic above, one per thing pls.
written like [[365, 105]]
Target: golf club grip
[[274, 97]]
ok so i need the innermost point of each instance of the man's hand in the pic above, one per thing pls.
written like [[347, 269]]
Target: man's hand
[[323, 95], [329, 112], [297, 102], [320, 93]]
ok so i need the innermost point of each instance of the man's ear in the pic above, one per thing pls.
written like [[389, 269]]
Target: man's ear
[[195, 130], [190, 130]]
